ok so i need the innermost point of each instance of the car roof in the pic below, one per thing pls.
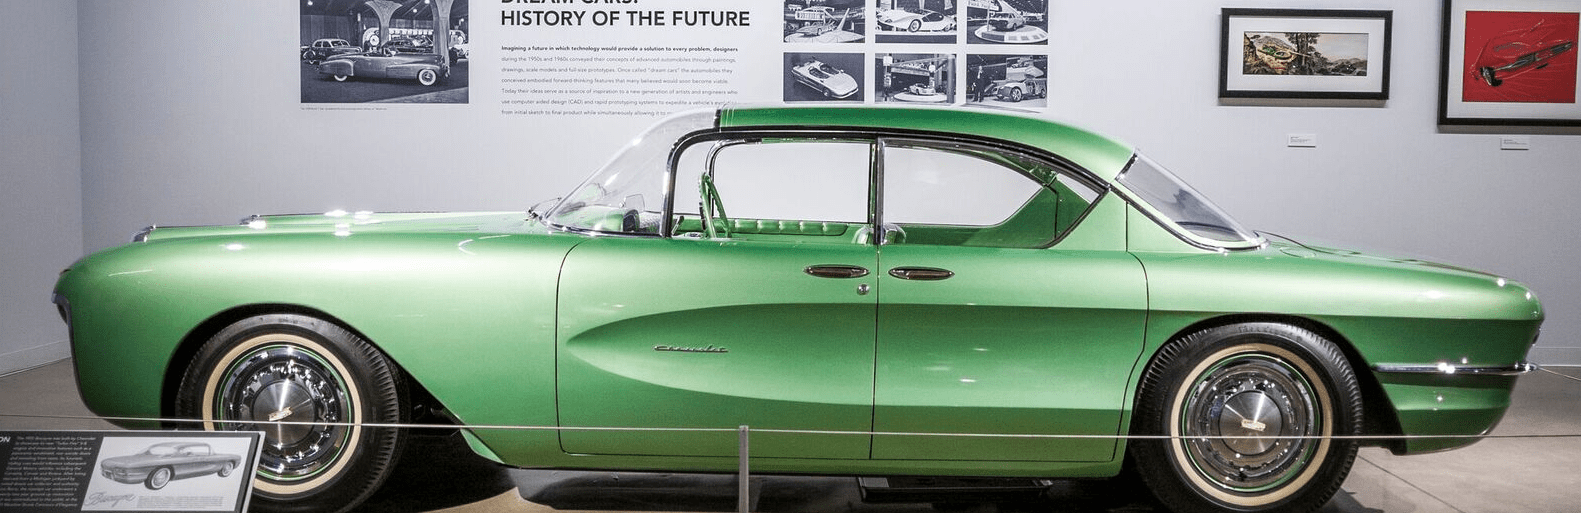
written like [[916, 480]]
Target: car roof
[[1103, 156], [178, 445]]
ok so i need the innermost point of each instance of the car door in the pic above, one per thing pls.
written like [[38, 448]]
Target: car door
[[987, 326], [757, 310]]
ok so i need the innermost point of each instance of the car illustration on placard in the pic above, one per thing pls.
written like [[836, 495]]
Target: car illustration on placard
[[895, 291], [425, 68], [826, 79], [160, 463]]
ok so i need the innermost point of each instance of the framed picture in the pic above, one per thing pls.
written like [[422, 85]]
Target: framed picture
[[1509, 62], [1305, 53]]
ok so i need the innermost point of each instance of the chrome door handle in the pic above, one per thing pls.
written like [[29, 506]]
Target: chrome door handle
[[836, 271], [921, 273]]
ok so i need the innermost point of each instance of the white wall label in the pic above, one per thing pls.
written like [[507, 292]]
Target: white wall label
[[1301, 140], [1515, 142]]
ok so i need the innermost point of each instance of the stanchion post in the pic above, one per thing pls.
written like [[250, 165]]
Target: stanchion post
[[743, 485]]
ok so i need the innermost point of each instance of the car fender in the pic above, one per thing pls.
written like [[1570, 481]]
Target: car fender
[[410, 71], [484, 302], [337, 67]]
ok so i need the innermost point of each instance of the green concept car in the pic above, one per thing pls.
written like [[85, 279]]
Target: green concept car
[[893, 292]]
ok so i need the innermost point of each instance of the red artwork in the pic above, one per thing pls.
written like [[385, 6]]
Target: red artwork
[[1526, 57]]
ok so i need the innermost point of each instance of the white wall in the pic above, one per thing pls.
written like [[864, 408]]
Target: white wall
[[40, 178], [190, 115]]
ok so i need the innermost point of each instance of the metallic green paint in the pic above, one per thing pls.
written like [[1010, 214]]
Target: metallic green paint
[[423, 295], [800, 347], [509, 323], [1019, 341]]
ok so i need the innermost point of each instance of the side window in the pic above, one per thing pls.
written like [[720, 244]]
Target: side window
[[965, 195], [776, 189]]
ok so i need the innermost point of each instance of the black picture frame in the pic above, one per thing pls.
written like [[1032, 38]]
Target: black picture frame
[[1357, 68], [1498, 63]]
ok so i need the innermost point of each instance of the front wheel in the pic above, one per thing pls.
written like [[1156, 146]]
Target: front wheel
[[1249, 410], [158, 478], [309, 385], [340, 78], [427, 77]]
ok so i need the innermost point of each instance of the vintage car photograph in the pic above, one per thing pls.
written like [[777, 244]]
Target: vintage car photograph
[[873, 291], [840, 21], [827, 80], [1007, 21], [325, 48], [160, 463], [426, 68], [919, 21], [1017, 80]]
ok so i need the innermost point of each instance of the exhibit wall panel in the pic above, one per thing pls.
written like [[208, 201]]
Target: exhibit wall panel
[[201, 123], [40, 178]]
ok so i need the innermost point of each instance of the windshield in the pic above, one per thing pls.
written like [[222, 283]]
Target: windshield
[[1191, 214], [627, 195]]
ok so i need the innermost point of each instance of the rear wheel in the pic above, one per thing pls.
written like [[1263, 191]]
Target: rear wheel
[[322, 383], [1249, 409]]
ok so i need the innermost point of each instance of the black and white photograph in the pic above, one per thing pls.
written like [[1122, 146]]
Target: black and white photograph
[[1290, 53], [152, 471], [914, 78], [1020, 22], [825, 21], [823, 77], [384, 51], [1018, 81], [916, 21]]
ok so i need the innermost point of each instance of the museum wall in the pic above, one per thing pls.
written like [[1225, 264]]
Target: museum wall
[[193, 113], [40, 178]]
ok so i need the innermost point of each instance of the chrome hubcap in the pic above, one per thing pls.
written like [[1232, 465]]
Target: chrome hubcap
[[1238, 419], [285, 383]]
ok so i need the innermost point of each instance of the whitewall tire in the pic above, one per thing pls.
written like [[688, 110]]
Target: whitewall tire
[[1249, 409], [323, 383]]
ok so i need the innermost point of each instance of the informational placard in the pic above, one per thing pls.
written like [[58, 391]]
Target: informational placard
[[633, 58], [43, 471]]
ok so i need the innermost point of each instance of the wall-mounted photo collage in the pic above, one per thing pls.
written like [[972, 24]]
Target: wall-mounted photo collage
[[943, 52]]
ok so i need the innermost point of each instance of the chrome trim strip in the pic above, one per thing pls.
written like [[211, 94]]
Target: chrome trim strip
[[1448, 368]]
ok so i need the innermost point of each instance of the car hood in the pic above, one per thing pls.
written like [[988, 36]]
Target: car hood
[[1305, 248], [840, 84], [1452, 291], [345, 223]]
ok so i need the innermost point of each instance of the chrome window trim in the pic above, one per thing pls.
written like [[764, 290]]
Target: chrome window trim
[[1174, 228]]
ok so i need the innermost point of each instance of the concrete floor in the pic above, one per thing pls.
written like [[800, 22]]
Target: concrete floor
[[1541, 474]]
